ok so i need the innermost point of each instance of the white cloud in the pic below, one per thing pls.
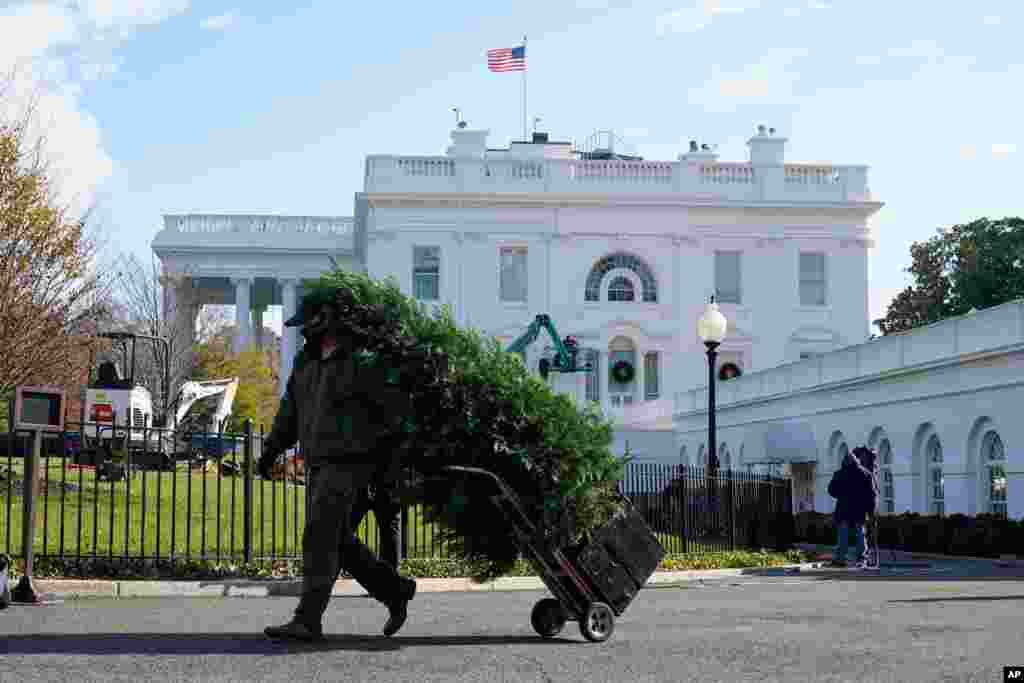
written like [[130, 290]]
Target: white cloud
[[770, 78], [1002, 150], [106, 14], [992, 20], [699, 16], [868, 60], [968, 152], [53, 49], [219, 23]]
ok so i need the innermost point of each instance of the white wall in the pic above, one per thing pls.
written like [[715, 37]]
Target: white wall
[[957, 379], [677, 243]]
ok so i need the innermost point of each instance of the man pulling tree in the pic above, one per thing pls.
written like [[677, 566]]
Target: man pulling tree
[[336, 407]]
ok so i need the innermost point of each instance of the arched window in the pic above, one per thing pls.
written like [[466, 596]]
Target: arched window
[[841, 454], [621, 260], [936, 482], [993, 459], [888, 488], [620, 289]]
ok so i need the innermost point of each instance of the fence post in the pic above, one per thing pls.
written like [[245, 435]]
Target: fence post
[[732, 509], [247, 493], [25, 590]]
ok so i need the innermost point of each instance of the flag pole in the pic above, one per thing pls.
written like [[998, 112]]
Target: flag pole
[[524, 89]]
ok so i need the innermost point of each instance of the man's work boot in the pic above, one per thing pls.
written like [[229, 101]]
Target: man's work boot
[[398, 606], [295, 630]]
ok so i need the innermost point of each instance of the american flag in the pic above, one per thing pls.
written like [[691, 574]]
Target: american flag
[[507, 59]]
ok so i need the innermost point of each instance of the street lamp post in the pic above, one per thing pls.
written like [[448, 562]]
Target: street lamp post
[[711, 328]]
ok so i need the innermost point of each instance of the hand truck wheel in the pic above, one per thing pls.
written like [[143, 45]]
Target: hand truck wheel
[[598, 622], [548, 617]]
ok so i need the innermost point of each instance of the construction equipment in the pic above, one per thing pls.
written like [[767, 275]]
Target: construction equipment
[[566, 351], [119, 414]]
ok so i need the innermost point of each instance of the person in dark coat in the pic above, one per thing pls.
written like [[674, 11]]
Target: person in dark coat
[[856, 494], [338, 410]]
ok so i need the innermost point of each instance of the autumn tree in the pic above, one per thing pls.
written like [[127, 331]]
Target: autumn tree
[[164, 305], [256, 398], [969, 266], [49, 284]]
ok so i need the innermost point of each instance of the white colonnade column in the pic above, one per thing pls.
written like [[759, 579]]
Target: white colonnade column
[[289, 340], [243, 311]]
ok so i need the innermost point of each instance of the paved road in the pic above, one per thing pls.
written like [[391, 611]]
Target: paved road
[[818, 626]]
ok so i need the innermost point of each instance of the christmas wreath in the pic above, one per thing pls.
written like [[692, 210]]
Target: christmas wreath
[[623, 372]]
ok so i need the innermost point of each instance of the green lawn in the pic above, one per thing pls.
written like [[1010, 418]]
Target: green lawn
[[121, 528]]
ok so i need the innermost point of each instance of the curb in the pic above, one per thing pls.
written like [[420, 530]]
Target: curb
[[999, 562], [244, 588]]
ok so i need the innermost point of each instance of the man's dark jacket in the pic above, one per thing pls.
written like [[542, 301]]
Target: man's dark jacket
[[856, 492], [338, 408]]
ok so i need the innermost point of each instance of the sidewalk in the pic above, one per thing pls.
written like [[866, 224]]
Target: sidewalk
[[901, 557], [242, 588]]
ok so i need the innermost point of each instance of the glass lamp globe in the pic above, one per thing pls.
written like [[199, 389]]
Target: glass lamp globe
[[711, 326]]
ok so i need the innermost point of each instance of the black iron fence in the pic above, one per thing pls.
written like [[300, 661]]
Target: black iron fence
[[155, 494], [693, 509]]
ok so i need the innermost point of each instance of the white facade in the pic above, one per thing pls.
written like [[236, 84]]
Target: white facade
[[623, 254], [942, 404]]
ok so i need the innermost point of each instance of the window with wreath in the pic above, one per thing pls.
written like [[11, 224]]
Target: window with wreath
[[426, 273], [625, 260], [888, 487], [994, 458], [936, 481], [729, 371], [620, 289]]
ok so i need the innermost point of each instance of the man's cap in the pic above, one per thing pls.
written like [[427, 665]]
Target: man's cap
[[309, 306]]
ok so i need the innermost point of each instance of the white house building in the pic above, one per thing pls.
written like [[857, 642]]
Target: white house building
[[623, 253], [620, 251]]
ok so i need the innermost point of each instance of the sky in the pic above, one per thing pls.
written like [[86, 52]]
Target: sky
[[174, 106]]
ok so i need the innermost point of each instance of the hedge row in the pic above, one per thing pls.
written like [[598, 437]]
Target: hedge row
[[957, 534], [104, 568]]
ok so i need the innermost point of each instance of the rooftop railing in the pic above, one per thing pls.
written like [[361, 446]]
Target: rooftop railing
[[706, 179]]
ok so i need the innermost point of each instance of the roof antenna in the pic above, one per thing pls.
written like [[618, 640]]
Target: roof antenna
[[459, 123]]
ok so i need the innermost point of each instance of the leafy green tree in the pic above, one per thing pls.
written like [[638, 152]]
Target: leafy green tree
[[256, 398], [974, 265]]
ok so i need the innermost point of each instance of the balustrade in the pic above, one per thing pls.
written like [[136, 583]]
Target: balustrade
[[730, 180]]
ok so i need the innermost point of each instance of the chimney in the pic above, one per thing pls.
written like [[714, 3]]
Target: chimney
[[468, 143], [698, 152], [540, 138], [766, 149]]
